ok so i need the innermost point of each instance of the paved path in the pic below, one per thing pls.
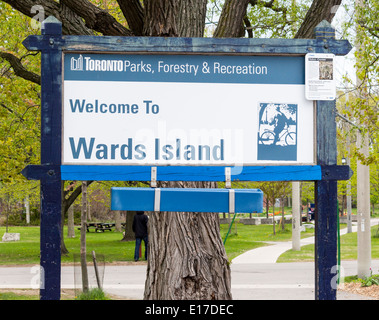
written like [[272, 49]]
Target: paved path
[[271, 253]]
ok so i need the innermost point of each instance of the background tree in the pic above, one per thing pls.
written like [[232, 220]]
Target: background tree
[[187, 257]]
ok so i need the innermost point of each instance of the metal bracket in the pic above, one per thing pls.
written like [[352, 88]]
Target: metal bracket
[[228, 177], [43, 172], [153, 182], [157, 199], [232, 201]]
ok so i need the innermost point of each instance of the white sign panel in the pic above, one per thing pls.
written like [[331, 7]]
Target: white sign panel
[[186, 110], [320, 81]]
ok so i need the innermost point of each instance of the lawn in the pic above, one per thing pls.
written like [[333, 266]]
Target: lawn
[[250, 236], [108, 244], [27, 250], [348, 249]]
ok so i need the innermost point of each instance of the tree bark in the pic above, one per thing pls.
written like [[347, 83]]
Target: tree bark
[[231, 23], [191, 18], [187, 258], [320, 10], [160, 18], [70, 223], [129, 234], [117, 221], [83, 232], [66, 203], [71, 22], [97, 19], [134, 15]]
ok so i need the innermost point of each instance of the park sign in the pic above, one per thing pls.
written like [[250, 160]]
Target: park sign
[[187, 109]]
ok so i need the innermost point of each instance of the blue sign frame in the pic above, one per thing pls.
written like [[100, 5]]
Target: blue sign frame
[[53, 44]]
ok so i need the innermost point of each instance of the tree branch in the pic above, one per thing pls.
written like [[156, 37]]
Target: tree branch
[[67, 202], [19, 69], [97, 19], [134, 15], [248, 26], [231, 19], [71, 23], [270, 4], [320, 10]]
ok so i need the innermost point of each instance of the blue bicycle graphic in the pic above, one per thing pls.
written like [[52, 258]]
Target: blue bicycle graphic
[[268, 137]]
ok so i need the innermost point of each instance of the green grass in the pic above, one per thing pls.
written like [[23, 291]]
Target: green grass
[[348, 249], [15, 296], [250, 237], [93, 294], [27, 250], [108, 244]]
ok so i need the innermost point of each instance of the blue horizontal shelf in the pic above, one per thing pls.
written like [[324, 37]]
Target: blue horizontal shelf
[[191, 173], [186, 200], [186, 173]]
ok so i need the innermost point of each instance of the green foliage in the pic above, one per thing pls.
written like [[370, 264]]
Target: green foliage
[[369, 281], [366, 282], [267, 19], [19, 109], [277, 19], [18, 218], [363, 99], [93, 294]]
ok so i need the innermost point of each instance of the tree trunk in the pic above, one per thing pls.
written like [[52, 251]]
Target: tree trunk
[[64, 250], [129, 234], [118, 221], [83, 231], [66, 203], [273, 216], [70, 222], [231, 20], [282, 207], [187, 258], [161, 18], [319, 10], [191, 18]]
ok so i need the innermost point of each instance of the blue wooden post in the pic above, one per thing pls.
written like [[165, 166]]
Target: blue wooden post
[[326, 191], [51, 189]]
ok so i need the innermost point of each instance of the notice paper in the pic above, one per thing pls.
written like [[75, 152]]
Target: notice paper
[[319, 77]]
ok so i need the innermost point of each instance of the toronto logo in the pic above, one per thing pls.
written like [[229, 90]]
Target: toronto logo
[[77, 64]]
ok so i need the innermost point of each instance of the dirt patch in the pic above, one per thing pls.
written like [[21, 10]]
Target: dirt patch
[[356, 288]]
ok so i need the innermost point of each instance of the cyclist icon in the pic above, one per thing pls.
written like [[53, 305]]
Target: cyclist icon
[[280, 122], [279, 129], [268, 137]]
